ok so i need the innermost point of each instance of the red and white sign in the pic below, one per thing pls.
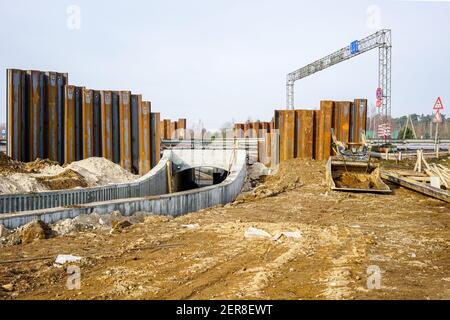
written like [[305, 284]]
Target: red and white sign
[[437, 117], [438, 105], [384, 130], [379, 103]]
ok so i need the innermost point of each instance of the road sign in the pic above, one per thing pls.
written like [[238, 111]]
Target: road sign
[[379, 103], [437, 117], [354, 47], [384, 130], [438, 105], [379, 93]]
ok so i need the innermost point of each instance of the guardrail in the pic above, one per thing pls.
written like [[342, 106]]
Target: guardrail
[[153, 183]]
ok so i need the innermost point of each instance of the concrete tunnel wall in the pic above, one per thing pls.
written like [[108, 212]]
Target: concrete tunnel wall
[[175, 204]]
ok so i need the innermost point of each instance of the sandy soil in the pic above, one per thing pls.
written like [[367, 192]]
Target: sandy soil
[[406, 235], [41, 175]]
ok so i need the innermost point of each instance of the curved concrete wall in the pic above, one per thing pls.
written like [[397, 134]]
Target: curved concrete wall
[[153, 183], [168, 204]]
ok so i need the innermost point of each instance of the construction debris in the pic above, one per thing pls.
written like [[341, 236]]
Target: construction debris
[[35, 230], [66, 258], [256, 233]]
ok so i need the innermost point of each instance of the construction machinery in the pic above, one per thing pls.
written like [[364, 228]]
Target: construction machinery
[[352, 170]]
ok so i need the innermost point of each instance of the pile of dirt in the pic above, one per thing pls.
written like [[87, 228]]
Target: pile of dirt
[[101, 171], [39, 165], [288, 175], [256, 173], [9, 166], [355, 180], [41, 175], [68, 179], [33, 231]]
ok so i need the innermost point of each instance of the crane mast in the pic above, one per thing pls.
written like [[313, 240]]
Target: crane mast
[[381, 40]]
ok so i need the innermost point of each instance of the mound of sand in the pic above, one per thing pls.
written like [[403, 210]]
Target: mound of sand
[[41, 175], [288, 175], [101, 171]]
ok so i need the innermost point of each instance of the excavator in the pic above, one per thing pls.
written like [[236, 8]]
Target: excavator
[[352, 170]]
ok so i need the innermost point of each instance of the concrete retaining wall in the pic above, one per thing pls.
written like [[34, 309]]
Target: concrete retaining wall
[[169, 204]]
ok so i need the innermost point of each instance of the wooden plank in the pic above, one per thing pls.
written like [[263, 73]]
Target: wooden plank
[[417, 186]]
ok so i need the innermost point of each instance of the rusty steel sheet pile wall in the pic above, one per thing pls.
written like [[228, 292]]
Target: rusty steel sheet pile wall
[[97, 117], [155, 138], [306, 134], [144, 137], [125, 130], [48, 118], [106, 121], [69, 124], [88, 123]]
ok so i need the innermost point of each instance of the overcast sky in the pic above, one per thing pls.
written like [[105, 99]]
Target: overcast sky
[[218, 60]]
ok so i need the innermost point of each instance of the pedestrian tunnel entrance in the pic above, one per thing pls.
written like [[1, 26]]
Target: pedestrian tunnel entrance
[[198, 177]]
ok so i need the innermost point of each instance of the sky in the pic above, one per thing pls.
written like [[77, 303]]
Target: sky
[[226, 60]]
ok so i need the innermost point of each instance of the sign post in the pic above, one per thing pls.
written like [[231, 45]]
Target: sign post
[[438, 106]]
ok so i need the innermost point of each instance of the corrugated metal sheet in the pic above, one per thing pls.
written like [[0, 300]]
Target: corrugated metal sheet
[[79, 124], [107, 126], [155, 138], [359, 119], [16, 106], [305, 134], [97, 109], [37, 113], [69, 119], [136, 105], [144, 138], [125, 130], [285, 123], [327, 108], [116, 126], [344, 113], [88, 123]]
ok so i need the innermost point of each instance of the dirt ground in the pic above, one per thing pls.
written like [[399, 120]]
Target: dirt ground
[[344, 237]]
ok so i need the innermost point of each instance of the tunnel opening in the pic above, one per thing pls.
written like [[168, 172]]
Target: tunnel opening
[[199, 177]]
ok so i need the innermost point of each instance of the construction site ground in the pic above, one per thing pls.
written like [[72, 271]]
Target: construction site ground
[[406, 235]]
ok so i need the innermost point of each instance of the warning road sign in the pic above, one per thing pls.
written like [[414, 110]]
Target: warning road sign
[[437, 117], [438, 105]]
